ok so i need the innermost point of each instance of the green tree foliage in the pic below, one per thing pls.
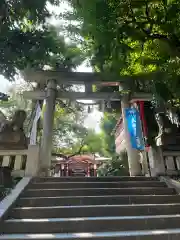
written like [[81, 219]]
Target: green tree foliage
[[138, 39], [17, 102], [108, 123], [71, 137], [66, 55], [24, 37], [27, 39], [118, 166], [87, 142], [94, 143], [68, 126]]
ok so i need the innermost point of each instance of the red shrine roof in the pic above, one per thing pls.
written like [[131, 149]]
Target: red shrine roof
[[77, 158], [82, 158]]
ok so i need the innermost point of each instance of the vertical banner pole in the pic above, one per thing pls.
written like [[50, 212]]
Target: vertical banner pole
[[88, 171], [67, 170], [145, 133], [95, 166]]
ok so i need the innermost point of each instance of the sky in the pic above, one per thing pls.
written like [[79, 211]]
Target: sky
[[4, 84]]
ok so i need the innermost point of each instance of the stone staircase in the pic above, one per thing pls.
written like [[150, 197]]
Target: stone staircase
[[109, 208]]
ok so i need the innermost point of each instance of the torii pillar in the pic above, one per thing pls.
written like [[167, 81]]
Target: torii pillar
[[133, 154], [48, 119]]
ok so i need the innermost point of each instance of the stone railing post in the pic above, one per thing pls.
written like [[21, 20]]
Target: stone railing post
[[156, 161], [33, 161]]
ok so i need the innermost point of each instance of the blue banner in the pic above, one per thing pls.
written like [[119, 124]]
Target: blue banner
[[134, 128]]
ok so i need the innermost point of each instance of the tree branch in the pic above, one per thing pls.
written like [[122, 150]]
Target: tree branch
[[72, 155], [155, 35], [79, 151], [149, 31], [151, 22]]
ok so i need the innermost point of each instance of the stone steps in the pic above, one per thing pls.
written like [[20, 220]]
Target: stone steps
[[94, 179], [106, 208], [95, 210], [68, 225], [93, 200], [94, 185], [55, 192], [168, 234]]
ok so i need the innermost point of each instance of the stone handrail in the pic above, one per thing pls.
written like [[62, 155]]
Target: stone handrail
[[11, 198], [171, 162], [164, 162], [22, 162]]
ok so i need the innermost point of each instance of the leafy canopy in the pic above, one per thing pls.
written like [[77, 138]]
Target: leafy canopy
[[139, 39], [71, 137], [27, 39]]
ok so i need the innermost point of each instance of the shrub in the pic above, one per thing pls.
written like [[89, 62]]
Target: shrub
[[117, 166]]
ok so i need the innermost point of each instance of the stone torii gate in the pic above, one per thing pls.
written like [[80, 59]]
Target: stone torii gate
[[50, 81]]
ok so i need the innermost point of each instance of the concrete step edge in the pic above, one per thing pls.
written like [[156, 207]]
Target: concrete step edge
[[86, 189], [100, 206], [95, 196], [92, 235], [82, 219], [126, 182], [105, 177]]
